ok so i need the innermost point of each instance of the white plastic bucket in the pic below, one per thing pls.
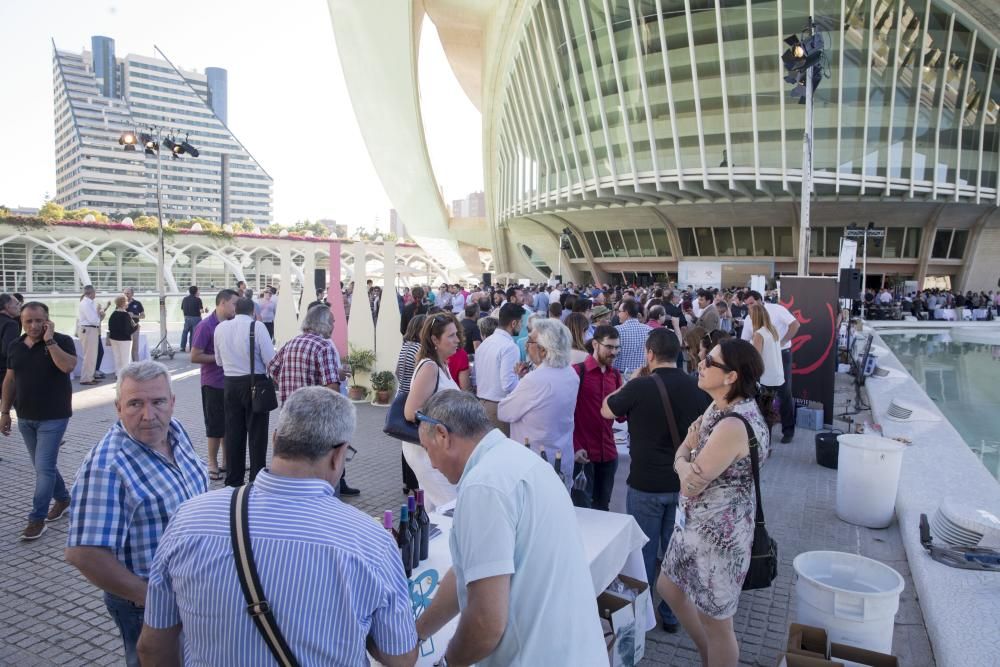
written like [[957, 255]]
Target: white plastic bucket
[[854, 598], [867, 479]]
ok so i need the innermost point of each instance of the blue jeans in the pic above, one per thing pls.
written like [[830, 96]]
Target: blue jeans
[[42, 438], [654, 512], [127, 615], [190, 322]]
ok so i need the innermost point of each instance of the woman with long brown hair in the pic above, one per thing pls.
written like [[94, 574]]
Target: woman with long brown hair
[[709, 552], [768, 343], [439, 340], [578, 324]]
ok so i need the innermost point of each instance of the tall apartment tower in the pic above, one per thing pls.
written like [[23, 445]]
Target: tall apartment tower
[[98, 96]]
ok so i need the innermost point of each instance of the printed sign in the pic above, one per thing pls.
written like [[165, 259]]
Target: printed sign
[[813, 302]]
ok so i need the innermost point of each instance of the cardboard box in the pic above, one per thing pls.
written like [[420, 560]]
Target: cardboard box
[[629, 643], [796, 660], [810, 418], [807, 640], [852, 655]]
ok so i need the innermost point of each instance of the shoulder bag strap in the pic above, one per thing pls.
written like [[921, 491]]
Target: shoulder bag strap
[[252, 346], [246, 570], [668, 408], [755, 462], [437, 378]]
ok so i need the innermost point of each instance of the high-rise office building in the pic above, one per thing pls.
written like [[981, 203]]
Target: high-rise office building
[[99, 95]]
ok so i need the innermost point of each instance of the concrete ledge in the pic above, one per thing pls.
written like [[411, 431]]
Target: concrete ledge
[[961, 608]]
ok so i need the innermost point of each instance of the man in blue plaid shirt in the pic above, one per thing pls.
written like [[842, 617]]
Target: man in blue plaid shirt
[[126, 490], [633, 335]]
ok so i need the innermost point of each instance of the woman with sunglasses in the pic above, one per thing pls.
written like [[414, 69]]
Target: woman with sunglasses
[[709, 553], [439, 340]]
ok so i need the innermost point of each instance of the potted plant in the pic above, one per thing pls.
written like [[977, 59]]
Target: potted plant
[[360, 361], [383, 383]]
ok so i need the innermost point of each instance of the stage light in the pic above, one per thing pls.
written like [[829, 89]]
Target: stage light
[[189, 149]]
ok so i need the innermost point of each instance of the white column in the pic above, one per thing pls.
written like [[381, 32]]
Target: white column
[[360, 327], [388, 340], [308, 274], [285, 320]]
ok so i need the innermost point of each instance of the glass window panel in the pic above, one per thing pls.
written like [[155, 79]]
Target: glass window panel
[[575, 249], [651, 64], [883, 54], [617, 243], [596, 247], [935, 64], [724, 240], [647, 247], [631, 242], [660, 242], [13, 267], [833, 236], [582, 26], [958, 244], [706, 242], [688, 246], [852, 107], [783, 239], [744, 241], [911, 246], [816, 242], [972, 114], [894, 242], [763, 241], [794, 17], [951, 119], [941, 241], [911, 32]]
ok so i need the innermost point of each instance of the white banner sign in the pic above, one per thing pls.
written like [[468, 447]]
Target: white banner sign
[[848, 254], [699, 274]]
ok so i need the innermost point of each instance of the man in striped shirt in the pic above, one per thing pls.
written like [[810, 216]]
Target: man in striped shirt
[[332, 576], [126, 491]]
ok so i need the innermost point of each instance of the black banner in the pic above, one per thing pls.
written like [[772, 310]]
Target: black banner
[[813, 302]]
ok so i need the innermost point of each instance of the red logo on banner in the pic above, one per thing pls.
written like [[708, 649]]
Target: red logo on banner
[[801, 343]]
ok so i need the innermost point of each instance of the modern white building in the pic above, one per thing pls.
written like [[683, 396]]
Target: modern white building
[[98, 95], [662, 136]]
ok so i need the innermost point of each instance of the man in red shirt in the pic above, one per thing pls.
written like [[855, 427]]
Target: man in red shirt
[[593, 440]]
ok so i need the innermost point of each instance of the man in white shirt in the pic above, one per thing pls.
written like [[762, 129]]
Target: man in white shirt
[[457, 301], [232, 353], [89, 316], [787, 326], [885, 298], [519, 578], [498, 363]]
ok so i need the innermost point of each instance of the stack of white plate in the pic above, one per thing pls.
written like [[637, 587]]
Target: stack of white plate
[[901, 410], [965, 524]]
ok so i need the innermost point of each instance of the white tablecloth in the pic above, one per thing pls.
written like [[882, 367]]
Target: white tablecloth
[[612, 544], [979, 313], [944, 314], [108, 362]]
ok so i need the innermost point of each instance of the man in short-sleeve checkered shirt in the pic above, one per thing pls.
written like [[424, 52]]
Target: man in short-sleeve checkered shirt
[[310, 359], [128, 487]]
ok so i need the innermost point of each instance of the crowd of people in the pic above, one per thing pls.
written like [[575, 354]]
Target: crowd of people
[[886, 303], [522, 397]]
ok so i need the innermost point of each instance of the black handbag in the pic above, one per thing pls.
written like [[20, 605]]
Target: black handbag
[[764, 552], [263, 397], [396, 424]]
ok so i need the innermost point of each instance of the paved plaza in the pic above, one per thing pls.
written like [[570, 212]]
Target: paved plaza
[[50, 615]]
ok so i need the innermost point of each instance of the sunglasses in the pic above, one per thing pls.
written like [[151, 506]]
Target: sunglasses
[[710, 362], [421, 417]]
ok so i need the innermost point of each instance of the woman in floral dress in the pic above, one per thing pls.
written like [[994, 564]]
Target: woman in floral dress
[[709, 552]]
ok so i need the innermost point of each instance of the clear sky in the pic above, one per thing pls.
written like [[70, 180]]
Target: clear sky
[[288, 102]]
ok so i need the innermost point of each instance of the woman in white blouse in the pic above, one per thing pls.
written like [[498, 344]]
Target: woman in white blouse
[[541, 407], [768, 343], [438, 340]]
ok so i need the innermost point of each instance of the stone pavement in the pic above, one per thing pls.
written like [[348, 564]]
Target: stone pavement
[[50, 615]]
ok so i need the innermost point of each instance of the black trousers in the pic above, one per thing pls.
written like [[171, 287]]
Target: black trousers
[[785, 394], [600, 484], [243, 428], [409, 477]]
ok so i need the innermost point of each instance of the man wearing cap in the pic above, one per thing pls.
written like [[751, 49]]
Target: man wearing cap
[[598, 316]]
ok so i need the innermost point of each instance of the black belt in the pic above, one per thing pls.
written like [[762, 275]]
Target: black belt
[[90, 326]]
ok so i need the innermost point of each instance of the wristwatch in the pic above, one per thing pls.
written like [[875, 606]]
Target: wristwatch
[[50, 343]]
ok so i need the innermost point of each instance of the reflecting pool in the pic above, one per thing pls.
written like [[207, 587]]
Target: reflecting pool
[[960, 371]]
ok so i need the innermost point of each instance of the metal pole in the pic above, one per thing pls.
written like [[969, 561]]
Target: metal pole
[[163, 347], [864, 272], [804, 227]]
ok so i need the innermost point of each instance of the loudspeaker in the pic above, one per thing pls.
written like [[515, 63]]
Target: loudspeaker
[[487, 279], [319, 275], [850, 284]]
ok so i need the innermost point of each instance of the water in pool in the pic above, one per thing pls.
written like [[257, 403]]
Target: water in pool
[[960, 371]]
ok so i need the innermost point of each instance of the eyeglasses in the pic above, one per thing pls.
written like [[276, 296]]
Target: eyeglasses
[[421, 417], [614, 348], [710, 362], [350, 454]]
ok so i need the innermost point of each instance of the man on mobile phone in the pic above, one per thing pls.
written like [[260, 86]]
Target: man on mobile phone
[[37, 385]]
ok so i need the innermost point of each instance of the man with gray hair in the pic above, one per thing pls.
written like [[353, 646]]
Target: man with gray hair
[[330, 574], [519, 577], [310, 359], [126, 490]]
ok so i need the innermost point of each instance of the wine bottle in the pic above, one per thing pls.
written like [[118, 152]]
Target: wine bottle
[[403, 540], [425, 525], [558, 466], [541, 452], [411, 506]]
